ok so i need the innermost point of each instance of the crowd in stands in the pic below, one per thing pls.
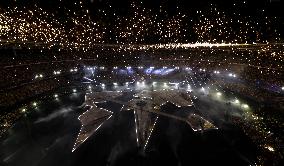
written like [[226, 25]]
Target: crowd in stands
[[20, 68]]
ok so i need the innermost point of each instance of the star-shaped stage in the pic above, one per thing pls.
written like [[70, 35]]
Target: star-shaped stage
[[146, 106]]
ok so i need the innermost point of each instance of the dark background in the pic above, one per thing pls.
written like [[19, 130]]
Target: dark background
[[246, 7]]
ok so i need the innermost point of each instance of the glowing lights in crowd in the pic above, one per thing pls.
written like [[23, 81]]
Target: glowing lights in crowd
[[57, 72], [103, 86], [34, 104], [271, 149], [188, 68], [245, 106], [73, 70], [24, 110], [189, 87], [217, 72], [217, 31], [232, 75], [38, 76], [219, 94], [237, 101]]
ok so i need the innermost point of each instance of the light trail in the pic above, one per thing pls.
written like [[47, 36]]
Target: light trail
[[150, 133], [136, 126]]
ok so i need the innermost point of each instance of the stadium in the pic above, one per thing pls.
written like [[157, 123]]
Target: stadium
[[75, 91]]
